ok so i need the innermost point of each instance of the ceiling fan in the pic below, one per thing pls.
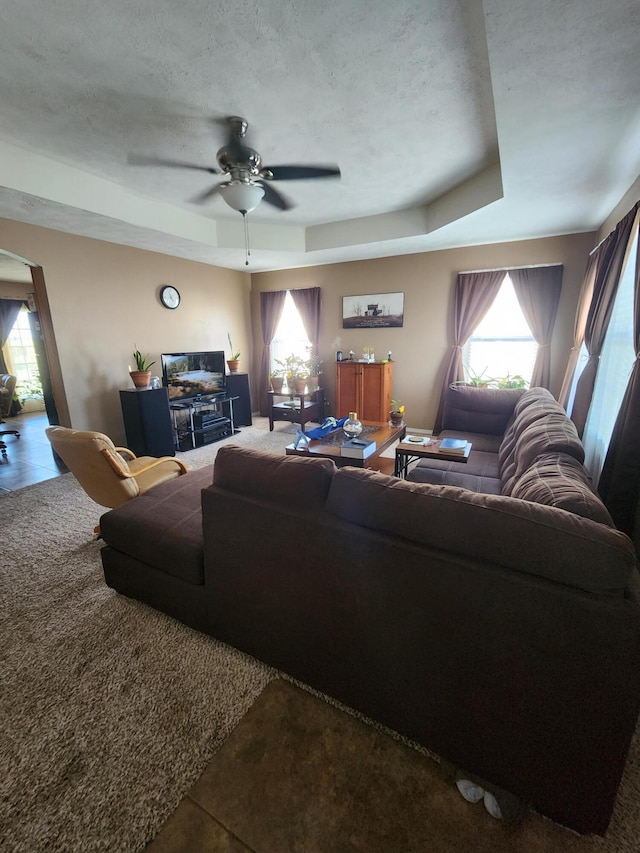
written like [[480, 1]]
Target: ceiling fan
[[248, 180]]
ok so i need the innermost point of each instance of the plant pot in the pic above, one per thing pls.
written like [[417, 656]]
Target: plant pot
[[141, 378], [300, 385], [276, 383], [233, 364], [396, 419]]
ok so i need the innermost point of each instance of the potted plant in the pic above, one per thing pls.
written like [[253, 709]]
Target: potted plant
[[141, 376], [296, 370], [509, 381], [396, 414], [233, 362], [277, 380], [314, 366], [479, 380], [28, 396]]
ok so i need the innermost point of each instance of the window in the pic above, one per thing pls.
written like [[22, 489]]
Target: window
[[21, 357], [614, 368], [290, 337], [501, 345]]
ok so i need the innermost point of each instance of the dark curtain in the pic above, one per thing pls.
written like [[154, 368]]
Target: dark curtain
[[579, 327], [9, 310], [271, 305], [307, 301], [475, 291], [538, 292], [609, 263], [619, 484]]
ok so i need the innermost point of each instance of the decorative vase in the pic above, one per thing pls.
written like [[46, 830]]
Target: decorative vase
[[141, 378], [233, 364], [352, 427], [276, 384]]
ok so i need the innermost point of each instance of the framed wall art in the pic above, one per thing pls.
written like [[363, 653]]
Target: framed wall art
[[373, 311]]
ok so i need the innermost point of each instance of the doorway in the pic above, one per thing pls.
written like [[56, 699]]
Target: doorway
[[23, 292]]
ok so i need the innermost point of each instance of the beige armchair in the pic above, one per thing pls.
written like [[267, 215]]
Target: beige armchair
[[102, 470]]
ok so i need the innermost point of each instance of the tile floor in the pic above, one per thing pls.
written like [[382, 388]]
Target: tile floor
[[30, 458]]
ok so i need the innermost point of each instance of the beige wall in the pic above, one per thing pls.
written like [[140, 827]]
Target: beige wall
[[421, 347], [15, 289], [104, 303]]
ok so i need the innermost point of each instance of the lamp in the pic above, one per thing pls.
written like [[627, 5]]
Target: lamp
[[244, 197], [241, 195]]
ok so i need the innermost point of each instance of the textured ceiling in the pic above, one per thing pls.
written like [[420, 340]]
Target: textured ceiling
[[454, 122]]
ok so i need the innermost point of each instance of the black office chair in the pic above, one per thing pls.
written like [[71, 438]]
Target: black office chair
[[7, 386], [3, 446]]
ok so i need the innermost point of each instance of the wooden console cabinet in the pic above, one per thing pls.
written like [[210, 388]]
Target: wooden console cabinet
[[364, 388]]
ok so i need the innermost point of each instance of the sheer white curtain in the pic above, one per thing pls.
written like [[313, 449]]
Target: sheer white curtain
[[614, 369]]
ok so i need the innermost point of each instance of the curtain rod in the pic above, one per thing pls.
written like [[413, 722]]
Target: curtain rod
[[506, 269]]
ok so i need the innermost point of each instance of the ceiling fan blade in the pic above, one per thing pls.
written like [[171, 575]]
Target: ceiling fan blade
[[144, 160], [206, 195], [299, 172], [275, 198]]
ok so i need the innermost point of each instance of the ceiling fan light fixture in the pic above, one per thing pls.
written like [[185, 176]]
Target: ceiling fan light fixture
[[242, 196]]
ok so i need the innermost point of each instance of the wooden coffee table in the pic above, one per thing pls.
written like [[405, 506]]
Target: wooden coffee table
[[329, 447], [408, 452]]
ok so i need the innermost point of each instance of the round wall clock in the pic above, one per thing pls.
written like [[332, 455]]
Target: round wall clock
[[169, 296]]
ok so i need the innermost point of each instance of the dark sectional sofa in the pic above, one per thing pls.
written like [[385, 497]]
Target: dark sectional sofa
[[494, 618]]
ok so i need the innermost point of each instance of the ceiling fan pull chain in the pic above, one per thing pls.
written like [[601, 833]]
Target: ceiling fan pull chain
[[247, 249]]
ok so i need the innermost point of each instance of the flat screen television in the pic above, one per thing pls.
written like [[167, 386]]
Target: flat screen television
[[193, 374]]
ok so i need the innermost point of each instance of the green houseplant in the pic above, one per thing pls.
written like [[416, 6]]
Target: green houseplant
[[509, 381], [296, 369], [277, 380], [141, 376], [396, 413], [479, 380], [233, 362], [314, 366]]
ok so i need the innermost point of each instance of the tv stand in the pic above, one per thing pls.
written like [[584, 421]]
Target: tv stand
[[199, 421]]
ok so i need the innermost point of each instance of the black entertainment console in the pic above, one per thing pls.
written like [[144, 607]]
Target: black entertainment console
[[201, 421], [155, 425]]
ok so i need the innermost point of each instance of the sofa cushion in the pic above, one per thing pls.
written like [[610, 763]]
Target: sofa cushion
[[478, 474], [484, 410], [457, 477], [538, 405], [163, 527], [481, 442], [293, 481], [532, 395], [552, 433], [556, 479], [515, 534]]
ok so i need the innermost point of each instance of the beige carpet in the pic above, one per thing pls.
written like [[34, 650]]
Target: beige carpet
[[257, 436], [110, 711]]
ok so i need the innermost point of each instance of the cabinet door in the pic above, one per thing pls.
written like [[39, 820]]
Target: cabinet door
[[348, 388], [376, 392]]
